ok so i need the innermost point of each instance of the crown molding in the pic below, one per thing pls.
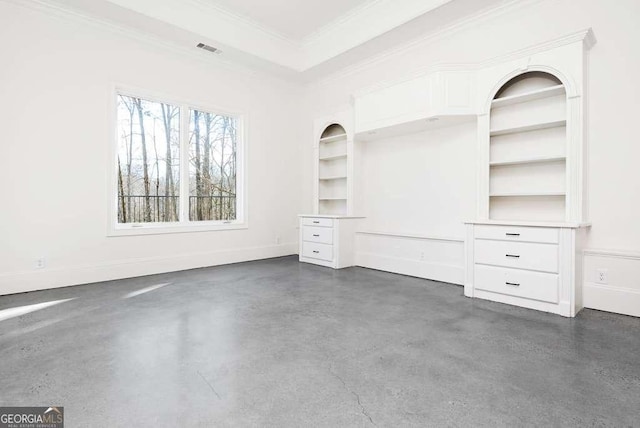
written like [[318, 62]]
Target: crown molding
[[52, 9], [286, 58], [445, 32], [243, 20], [339, 21], [361, 25]]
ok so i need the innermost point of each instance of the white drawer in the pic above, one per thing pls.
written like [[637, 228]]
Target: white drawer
[[317, 251], [519, 283], [516, 233], [317, 221], [323, 235], [520, 255]]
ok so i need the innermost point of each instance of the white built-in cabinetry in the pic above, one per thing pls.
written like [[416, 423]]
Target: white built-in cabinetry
[[334, 164], [528, 149], [327, 240], [333, 169], [435, 99], [327, 237], [525, 247]]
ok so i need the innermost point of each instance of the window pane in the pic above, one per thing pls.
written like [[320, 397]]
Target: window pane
[[148, 161], [212, 166]]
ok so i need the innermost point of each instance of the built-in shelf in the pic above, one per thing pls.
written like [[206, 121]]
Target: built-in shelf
[[526, 194], [333, 170], [527, 128], [337, 177], [550, 91], [333, 138], [334, 157], [524, 161]]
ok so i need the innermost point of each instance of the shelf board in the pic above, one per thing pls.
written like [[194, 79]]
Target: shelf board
[[337, 177], [529, 96], [332, 199], [527, 128], [510, 194], [334, 157], [524, 161], [333, 138]]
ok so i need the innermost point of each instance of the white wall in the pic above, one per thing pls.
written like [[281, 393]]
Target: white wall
[[614, 104], [55, 86]]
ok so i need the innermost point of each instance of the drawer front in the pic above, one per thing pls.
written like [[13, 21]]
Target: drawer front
[[515, 233], [323, 235], [317, 251], [520, 283], [320, 222], [519, 255]]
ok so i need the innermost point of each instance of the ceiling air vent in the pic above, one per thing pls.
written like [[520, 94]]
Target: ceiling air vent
[[208, 48]]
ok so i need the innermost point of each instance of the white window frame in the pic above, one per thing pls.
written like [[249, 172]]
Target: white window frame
[[184, 225]]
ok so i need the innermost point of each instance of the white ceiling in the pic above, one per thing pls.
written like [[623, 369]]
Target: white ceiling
[[294, 19], [295, 39]]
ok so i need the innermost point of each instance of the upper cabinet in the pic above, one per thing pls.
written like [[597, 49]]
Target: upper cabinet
[[433, 99]]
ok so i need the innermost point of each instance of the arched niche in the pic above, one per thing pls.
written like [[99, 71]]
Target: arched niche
[[333, 130], [333, 170], [528, 149]]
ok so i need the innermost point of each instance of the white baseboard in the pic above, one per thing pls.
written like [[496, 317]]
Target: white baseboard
[[435, 271], [611, 299], [436, 258], [21, 282], [621, 294]]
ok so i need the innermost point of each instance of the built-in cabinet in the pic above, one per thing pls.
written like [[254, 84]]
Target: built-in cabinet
[[439, 98], [327, 240], [327, 236], [524, 245], [528, 264]]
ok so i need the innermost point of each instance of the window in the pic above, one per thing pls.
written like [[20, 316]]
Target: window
[[212, 170], [177, 167]]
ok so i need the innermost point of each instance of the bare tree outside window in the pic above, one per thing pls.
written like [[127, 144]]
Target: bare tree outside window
[[148, 161], [212, 166]]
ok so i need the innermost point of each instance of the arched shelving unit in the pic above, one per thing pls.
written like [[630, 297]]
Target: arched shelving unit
[[525, 246], [528, 149], [333, 171]]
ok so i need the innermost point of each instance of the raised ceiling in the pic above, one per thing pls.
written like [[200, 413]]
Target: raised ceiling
[[296, 39], [293, 19]]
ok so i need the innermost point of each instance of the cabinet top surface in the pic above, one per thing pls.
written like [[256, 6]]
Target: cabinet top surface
[[328, 216], [567, 225]]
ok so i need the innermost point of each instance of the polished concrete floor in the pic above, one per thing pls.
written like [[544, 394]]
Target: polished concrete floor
[[278, 343]]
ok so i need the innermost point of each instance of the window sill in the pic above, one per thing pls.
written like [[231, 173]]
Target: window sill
[[160, 229]]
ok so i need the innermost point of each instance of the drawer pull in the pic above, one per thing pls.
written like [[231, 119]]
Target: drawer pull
[[316, 222], [317, 236], [512, 255], [512, 234], [316, 251], [512, 284]]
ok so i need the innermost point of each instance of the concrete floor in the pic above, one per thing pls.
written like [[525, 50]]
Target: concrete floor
[[278, 343]]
